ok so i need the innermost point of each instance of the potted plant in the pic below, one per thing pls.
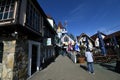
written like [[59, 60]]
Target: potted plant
[[81, 58]]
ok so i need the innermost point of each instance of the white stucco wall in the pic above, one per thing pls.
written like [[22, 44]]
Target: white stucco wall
[[51, 22], [97, 41]]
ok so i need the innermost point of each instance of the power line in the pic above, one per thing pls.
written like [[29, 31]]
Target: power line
[[112, 28]]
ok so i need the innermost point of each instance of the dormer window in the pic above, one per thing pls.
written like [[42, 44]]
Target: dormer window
[[6, 9]]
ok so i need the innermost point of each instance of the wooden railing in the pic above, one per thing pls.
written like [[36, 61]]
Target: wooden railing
[[105, 59]]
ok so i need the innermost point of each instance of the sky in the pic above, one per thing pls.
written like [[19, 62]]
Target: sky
[[84, 16]]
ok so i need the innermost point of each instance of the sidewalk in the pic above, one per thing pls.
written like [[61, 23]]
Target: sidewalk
[[64, 69]]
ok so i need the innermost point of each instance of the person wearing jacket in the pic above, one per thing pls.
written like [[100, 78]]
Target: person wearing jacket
[[90, 62]]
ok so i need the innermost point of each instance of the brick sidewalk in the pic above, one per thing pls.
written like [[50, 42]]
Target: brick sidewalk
[[64, 69]]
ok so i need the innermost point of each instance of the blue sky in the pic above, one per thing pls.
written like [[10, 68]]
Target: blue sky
[[85, 16]]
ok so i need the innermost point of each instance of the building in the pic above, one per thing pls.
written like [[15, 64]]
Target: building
[[112, 42], [86, 41], [66, 40], [99, 42], [61, 30], [49, 42], [25, 34], [96, 38]]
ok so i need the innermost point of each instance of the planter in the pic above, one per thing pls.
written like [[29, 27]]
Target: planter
[[81, 59]]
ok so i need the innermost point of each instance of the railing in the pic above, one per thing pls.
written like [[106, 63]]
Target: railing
[[107, 58]]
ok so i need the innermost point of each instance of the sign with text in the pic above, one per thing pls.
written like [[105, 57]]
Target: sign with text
[[49, 41]]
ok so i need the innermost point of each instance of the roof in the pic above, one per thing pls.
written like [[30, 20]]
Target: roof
[[82, 35], [68, 36], [60, 25], [96, 35], [113, 34]]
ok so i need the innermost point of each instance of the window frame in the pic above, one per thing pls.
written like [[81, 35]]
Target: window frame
[[7, 10], [33, 17]]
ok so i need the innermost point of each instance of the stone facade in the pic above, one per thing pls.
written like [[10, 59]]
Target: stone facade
[[16, 34], [8, 60], [21, 61], [15, 60]]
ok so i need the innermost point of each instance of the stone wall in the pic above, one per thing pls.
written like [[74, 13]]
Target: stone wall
[[15, 60], [8, 60], [21, 60]]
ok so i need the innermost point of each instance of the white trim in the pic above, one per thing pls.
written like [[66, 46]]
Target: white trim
[[30, 43], [29, 58], [38, 58]]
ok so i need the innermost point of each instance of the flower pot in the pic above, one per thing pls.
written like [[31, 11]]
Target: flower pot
[[81, 59]]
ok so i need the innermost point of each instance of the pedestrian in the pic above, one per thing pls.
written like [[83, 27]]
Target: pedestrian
[[64, 50], [90, 62]]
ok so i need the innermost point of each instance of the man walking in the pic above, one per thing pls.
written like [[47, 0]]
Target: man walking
[[89, 58]]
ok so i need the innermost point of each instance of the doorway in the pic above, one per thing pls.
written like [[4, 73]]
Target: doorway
[[33, 57]]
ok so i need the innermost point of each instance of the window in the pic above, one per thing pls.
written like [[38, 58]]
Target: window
[[5, 15], [6, 9], [33, 17], [10, 14], [66, 39], [1, 14]]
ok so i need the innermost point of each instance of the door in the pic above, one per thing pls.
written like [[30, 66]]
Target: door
[[34, 59]]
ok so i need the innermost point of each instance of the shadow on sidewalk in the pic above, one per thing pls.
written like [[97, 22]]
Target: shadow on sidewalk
[[47, 62], [84, 67], [108, 66]]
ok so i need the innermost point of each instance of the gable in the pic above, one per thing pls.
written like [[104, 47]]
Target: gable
[[83, 37], [66, 39], [96, 36]]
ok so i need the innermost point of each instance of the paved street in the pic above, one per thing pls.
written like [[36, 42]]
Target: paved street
[[64, 69]]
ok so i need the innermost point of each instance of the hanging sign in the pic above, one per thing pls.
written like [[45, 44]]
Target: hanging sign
[[49, 41]]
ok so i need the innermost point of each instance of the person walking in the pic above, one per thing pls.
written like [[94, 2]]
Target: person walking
[[89, 58]]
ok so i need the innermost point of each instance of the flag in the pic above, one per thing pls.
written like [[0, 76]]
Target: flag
[[87, 43], [101, 44], [77, 47]]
